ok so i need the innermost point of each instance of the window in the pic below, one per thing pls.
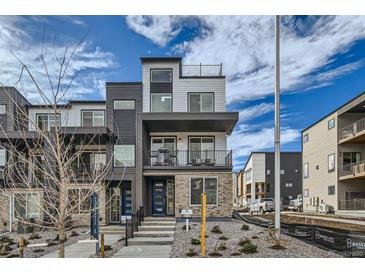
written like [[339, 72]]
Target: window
[[282, 172], [209, 185], [27, 205], [305, 138], [201, 148], [306, 192], [93, 118], [80, 199], [288, 185], [248, 174], [201, 102], [331, 190], [124, 156], [161, 102], [306, 170], [331, 162], [267, 187], [45, 121], [331, 123], [161, 75], [268, 172], [124, 104], [350, 158], [2, 157], [2, 109]]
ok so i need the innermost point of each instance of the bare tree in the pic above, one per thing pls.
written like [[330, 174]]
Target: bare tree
[[49, 157]]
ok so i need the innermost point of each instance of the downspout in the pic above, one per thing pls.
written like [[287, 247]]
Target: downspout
[[10, 215]]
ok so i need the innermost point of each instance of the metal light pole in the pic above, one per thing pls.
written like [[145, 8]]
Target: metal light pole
[[277, 123]]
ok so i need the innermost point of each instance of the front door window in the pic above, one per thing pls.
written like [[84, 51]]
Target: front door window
[[114, 205], [170, 192], [158, 198]]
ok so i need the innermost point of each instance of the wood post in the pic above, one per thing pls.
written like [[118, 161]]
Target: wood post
[[203, 223], [102, 248], [21, 247]]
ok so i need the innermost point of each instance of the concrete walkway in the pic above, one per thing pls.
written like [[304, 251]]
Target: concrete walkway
[[83, 250], [144, 251]]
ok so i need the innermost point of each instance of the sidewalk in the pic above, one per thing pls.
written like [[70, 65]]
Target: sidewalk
[[144, 251], [83, 250]]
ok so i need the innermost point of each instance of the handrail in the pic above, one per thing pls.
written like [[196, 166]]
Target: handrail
[[353, 204], [201, 70], [351, 129], [352, 169]]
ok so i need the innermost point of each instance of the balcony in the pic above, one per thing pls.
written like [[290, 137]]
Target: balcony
[[352, 171], [201, 70], [352, 133], [188, 159], [354, 204]]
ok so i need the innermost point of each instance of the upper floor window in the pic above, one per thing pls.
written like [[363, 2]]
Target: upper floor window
[[331, 162], [161, 102], [45, 121], [306, 170], [331, 123], [93, 118], [124, 156], [124, 104], [331, 190], [2, 158], [305, 138], [248, 174], [161, 75], [201, 102], [2, 109]]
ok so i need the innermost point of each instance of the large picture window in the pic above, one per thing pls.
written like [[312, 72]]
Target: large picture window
[[124, 104], [201, 102], [199, 185], [93, 118], [201, 148], [124, 156], [27, 205], [161, 75], [45, 121], [161, 102]]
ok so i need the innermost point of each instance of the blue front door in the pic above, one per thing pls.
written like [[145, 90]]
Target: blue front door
[[158, 197]]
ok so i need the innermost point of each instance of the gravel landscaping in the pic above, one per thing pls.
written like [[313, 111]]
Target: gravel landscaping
[[45, 236], [249, 241]]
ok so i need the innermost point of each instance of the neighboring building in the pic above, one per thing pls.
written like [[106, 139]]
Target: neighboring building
[[258, 176], [167, 134], [241, 190], [333, 160]]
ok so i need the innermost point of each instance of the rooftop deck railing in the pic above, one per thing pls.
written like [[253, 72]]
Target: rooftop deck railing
[[351, 129], [201, 70], [184, 158]]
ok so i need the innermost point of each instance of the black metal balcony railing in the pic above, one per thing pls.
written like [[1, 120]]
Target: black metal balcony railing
[[354, 204], [181, 158], [201, 70], [351, 129], [352, 169]]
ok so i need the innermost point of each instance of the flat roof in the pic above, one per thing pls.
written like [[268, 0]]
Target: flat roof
[[160, 58], [122, 83], [353, 99]]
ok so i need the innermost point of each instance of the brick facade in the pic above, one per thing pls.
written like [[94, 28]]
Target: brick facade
[[182, 194]]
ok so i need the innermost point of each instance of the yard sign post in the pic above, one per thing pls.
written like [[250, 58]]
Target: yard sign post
[[203, 223]]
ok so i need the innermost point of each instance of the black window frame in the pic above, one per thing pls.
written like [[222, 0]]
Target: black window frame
[[331, 190], [161, 69], [200, 93], [305, 140]]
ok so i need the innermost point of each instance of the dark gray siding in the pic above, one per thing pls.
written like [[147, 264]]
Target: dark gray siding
[[122, 122], [291, 163], [160, 87]]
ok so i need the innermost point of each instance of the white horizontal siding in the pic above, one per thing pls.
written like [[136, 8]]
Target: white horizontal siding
[[70, 117]]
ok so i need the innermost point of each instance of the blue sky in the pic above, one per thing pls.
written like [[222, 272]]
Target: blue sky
[[322, 62]]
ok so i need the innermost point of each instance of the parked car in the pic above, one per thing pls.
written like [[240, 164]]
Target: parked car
[[296, 204], [262, 205]]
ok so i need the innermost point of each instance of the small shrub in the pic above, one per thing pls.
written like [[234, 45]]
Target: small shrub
[[244, 241], [215, 254], [216, 229], [39, 250], [195, 241], [52, 243], [107, 247], [14, 255], [277, 247], [245, 227], [249, 248], [191, 253], [223, 238], [121, 239], [184, 227], [206, 236], [222, 246], [234, 254], [254, 237], [34, 236]]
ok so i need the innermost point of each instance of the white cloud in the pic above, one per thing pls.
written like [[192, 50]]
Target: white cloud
[[18, 36], [255, 111], [243, 142], [245, 45]]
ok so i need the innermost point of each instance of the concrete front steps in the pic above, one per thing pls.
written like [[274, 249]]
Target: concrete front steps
[[154, 231]]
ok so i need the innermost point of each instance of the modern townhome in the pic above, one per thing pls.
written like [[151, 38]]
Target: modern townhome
[[258, 176], [166, 139], [333, 160]]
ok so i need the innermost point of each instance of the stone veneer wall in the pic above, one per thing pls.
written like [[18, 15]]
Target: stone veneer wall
[[4, 212], [182, 194]]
